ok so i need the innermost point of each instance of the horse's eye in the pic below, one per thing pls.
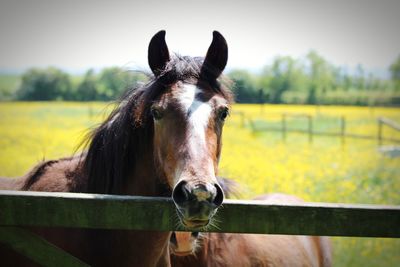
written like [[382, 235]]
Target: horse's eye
[[156, 113], [223, 113]]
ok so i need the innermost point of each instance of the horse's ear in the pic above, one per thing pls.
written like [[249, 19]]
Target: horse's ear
[[158, 54], [216, 58]]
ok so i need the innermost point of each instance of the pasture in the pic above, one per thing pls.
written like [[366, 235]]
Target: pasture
[[325, 170]]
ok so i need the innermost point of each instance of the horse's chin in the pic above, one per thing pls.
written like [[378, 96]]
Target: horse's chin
[[183, 253], [195, 221], [194, 224]]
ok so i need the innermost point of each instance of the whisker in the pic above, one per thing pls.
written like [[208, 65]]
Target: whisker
[[177, 221], [214, 224]]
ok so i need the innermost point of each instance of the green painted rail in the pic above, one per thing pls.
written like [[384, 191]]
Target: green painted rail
[[37, 249], [237, 216]]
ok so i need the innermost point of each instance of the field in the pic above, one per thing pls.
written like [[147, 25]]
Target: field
[[325, 170]]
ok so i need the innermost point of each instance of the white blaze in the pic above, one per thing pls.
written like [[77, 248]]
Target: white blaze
[[198, 114]]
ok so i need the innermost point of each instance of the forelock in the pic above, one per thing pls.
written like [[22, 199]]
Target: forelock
[[181, 68]]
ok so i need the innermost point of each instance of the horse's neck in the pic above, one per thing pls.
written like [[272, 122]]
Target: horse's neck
[[143, 180], [141, 248], [128, 248]]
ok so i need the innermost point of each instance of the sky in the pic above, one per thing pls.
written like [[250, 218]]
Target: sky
[[77, 35]]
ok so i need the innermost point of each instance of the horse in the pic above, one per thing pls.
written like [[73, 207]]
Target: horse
[[162, 139], [228, 249]]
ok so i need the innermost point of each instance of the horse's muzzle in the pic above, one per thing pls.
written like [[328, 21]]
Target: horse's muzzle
[[197, 203]]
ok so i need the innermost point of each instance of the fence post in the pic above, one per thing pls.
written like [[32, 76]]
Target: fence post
[[380, 124], [310, 130], [284, 127], [343, 128]]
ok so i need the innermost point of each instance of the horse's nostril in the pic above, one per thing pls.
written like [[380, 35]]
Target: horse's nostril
[[219, 197], [195, 234], [173, 238], [180, 193]]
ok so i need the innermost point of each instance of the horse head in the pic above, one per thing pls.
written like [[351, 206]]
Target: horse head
[[188, 118]]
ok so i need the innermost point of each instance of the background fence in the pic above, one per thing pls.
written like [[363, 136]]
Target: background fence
[[309, 126]]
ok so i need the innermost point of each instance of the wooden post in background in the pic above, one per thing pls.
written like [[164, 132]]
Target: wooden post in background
[[380, 124], [284, 127], [310, 128], [382, 121], [343, 129]]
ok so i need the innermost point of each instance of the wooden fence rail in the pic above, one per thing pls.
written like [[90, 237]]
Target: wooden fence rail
[[148, 213]]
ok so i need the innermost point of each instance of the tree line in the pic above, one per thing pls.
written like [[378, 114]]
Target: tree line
[[54, 84], [308, 80], [314, 80]]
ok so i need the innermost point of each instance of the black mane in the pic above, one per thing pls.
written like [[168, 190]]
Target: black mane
[[127, 133]]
